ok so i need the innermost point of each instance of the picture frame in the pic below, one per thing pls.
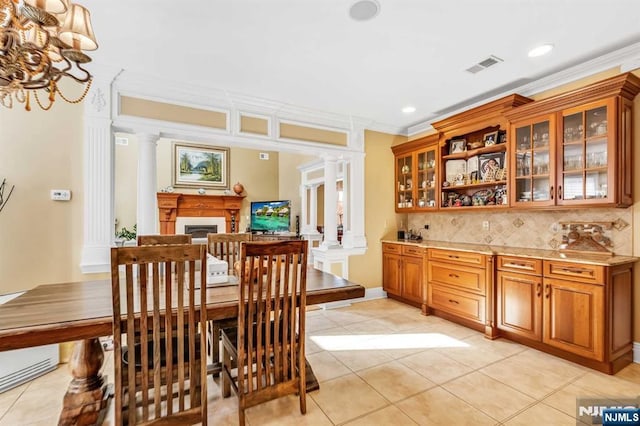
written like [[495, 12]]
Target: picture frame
[[200, 166], [490, 164], [457, 145], [502, 137], [490, 138]]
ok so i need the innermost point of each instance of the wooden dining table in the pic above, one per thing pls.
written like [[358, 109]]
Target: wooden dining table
[[82, 312]]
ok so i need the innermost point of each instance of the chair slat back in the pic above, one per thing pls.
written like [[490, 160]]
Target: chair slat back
[[152, 240], [271, 320], [159, 309], [227, 247]]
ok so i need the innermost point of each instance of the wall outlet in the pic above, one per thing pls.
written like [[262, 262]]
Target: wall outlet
[[485, 225], [264, 156], [60, 194]]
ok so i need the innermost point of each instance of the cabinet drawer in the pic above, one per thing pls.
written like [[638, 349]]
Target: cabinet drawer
[[413, 250], [521, 265], [462, 304], [391, 248], [463, 277], [458, 257], [593, 274]]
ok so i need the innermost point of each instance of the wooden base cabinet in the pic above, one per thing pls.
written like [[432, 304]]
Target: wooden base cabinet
[[577, 311], [403, 273], [519, 291], [459, 288], [573, 315]]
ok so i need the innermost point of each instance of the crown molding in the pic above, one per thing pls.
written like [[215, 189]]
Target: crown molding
[[420, 128], [626, 58]]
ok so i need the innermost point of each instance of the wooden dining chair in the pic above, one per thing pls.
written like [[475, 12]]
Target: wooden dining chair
[[160, 376], [225, 247], [152, 240], [267, 346]]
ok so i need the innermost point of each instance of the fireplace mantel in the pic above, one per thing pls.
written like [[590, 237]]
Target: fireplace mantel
[[173, 205]]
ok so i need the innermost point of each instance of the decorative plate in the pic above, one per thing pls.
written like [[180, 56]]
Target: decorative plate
[[480, 198]]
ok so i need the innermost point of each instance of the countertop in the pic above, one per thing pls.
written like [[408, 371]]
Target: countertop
[[605, 259]]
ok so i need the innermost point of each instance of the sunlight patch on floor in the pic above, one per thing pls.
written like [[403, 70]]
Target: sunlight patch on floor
[[363, 342]]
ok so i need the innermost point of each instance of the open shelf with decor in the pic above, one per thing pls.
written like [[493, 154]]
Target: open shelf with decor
[[474, 156], [474, 169]]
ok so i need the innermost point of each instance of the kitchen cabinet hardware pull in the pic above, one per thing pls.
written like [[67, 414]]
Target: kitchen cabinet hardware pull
[[577, 270], [551, 192], [516, 265], [454, 301], [538, 288], [453, 257], [547, 291], [454, 276], [560, 192]]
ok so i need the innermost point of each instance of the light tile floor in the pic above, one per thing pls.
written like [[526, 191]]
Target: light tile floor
[[382, 363]]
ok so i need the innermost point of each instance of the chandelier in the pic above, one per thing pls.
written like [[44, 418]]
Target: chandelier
[[42, 41]]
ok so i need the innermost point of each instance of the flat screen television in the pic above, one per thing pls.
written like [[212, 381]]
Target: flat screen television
[[271, 216]]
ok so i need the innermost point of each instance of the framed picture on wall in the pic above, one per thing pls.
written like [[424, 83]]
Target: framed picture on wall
[[200, 166]]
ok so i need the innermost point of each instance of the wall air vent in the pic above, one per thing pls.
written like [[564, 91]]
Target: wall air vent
[[484, 64]]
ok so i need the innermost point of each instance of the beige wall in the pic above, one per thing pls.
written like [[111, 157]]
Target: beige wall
[[289, 182], [41, 239], [380, 216]]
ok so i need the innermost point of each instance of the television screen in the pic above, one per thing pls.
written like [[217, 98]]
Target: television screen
[[270, 216]]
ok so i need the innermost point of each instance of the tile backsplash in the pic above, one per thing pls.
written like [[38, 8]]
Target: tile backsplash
[[518, 228]]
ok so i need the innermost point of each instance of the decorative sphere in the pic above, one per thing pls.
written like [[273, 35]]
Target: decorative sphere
[[238, 188]]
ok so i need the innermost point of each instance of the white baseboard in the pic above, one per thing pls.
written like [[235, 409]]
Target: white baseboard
[[636, 352], [369, 294]]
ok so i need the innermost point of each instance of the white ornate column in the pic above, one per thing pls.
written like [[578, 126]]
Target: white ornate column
[[304, 211], [330, 204], [147, 203], [98, 159], [313, 208], [354, 236]]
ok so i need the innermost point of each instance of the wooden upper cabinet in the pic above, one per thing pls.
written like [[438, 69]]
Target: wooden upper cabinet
[[573, 149], [589, 147], [416, 171]]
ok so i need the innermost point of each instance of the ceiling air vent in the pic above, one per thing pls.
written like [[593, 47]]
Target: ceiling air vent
[[484, 64]]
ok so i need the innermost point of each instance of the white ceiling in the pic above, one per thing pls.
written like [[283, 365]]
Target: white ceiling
[[309, 53]]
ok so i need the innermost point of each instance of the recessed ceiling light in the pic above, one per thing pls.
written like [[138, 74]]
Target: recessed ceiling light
[[543, 49], [409, 109], [364, 10]]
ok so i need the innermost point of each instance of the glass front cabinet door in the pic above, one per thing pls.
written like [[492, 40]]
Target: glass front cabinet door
[[532, 158], [426, 178], [588, 141], [404, 182]]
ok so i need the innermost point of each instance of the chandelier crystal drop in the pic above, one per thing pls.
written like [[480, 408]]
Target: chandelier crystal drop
[[42, 41]]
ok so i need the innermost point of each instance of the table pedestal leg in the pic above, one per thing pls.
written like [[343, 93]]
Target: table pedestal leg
[[87, 397]]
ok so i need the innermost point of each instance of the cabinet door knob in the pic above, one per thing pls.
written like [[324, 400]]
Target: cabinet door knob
[[454, 301]]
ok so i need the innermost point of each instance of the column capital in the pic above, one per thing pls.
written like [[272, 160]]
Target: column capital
[[146, 137]]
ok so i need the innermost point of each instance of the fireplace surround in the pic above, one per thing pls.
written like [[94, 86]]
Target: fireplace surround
[[172, 205]]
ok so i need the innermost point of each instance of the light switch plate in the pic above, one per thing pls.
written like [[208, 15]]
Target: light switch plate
[[61, 194]]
